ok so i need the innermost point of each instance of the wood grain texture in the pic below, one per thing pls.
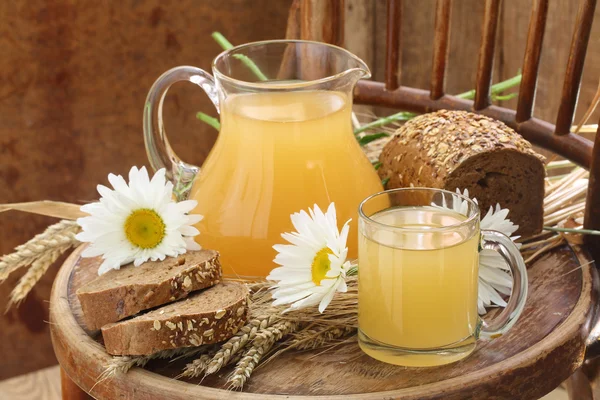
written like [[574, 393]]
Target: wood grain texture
[[576, 60], [322, 21], [441, 40], [39, 385], [560, 25], [487, 47], [73, 80], [543, 349], [70, 390], [592, 212], [531, 61], [393, 43], [572, 146]]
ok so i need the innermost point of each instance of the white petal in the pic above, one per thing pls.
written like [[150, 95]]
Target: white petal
[[186, 206], [193, 219], [191, 244]]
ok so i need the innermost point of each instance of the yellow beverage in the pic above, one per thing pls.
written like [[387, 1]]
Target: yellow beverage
[[278, 153], [418, 291]]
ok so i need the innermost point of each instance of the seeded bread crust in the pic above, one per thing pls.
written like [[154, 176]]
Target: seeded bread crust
[[206, 317], [458, 149], [118, 294]]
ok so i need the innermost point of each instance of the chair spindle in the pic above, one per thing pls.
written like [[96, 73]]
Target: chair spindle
[[579, 44], [486, 55], [592, 210], [322, 21], [441, 45], [531, 61], [392, 56]]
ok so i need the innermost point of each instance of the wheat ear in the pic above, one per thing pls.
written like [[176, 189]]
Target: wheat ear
[[264, 341], [309, 339], [60, 235], [246, 334], [122, 364]]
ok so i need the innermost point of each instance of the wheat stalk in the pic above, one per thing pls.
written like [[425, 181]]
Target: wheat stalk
[[246, 334], [33, 275], [264, 341], [122, 364], [309, 339], [58, 236]]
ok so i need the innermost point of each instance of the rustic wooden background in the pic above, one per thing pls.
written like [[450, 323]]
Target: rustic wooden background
[[74, 76]]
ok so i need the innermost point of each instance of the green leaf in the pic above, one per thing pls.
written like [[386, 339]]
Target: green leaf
[[369, 138], [376, 165], [385, 181], [209, 120]]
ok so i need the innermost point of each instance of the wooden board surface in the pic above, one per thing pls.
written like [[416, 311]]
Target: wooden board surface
[[543, 349], [39, 385]]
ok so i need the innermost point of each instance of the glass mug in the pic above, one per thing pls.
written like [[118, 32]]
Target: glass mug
[[285, 144], [418, 277]]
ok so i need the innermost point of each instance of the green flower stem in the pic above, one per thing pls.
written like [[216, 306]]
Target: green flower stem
[[559, 164], [226, 45], [209, 120], [401, 116], [506, 97], [496, 89], [470, 95], [221, 40], [569, 230]]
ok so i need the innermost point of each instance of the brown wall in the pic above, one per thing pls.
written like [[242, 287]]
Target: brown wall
[[73, 80], [74, 75]]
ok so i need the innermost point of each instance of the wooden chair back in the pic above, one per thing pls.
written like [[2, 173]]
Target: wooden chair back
[[324, 20]]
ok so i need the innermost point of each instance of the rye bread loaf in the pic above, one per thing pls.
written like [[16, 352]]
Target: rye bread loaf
[[210, 316], [461, 150], [121, 293]]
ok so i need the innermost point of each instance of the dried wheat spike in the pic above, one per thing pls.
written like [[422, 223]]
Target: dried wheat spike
[[122, 364], [246, 334], [59, 235], [309, 339], [257, 351], [38, 268]]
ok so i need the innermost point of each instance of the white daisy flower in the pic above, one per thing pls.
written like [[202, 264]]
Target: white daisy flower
[[494, 278], [137, 222], [313, 267]]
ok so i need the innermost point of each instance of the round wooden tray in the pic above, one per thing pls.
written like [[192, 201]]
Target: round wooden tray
[[544, 348]]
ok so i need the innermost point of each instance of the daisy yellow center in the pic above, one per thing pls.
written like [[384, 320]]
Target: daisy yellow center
[[145, 228], [321, 265]]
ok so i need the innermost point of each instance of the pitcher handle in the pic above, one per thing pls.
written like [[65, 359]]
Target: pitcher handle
[[502, 244], [160, 154]]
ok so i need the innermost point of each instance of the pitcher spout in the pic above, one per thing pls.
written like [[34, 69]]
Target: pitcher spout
[[360, 70]]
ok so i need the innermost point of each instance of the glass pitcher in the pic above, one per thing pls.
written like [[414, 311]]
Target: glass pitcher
[[285, 144]]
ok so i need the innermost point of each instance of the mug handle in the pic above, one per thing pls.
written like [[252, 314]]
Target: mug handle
[[160, 154], [502, 244]]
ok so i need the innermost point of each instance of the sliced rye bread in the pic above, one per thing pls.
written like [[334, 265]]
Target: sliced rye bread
[[461, 150], [210, 316], [121, 293]]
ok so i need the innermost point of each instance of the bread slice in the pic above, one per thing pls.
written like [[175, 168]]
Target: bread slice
[[210, 316], [461, 150], [118, 294]]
